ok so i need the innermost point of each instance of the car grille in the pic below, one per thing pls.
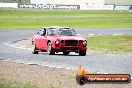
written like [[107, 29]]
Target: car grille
[[71, 43], [68, 48]]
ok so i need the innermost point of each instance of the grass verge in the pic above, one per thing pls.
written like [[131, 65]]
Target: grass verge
[[6, 84], [35, 18], [111, 43]]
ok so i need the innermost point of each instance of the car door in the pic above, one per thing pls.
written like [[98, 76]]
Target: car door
[[37, 39], [43, 39]]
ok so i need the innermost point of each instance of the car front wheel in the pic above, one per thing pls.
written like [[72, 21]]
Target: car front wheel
[[50, 50], [34, 50], [82, 53]]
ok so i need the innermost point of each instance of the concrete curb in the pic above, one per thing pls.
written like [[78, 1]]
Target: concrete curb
[[97, 34]]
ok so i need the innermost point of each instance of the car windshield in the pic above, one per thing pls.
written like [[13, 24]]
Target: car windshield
[[61, 31]]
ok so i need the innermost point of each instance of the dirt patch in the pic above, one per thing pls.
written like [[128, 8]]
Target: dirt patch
[[26, 42], [45, 77]]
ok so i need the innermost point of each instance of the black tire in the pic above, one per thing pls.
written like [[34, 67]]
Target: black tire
[[34, 49], [66, 53], [129, 80], [82, 53], [81, 80], [50, 50]]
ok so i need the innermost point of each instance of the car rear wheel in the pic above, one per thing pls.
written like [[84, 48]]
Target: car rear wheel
[[50, 50], [34, 50], [82, 53], [66, 53]]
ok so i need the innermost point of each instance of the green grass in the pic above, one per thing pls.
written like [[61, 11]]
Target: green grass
[[3, 85], [11, 85], [109, 43], [30, 86], [36, 18]]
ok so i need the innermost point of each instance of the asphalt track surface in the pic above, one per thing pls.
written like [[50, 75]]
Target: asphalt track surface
[[92, 61]]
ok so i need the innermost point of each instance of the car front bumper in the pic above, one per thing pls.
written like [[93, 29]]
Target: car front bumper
[[70, 48]]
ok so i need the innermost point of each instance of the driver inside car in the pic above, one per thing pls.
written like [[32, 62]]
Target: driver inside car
[[43, 32]]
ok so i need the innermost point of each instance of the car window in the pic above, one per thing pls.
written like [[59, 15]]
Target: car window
[[61, 31], [67, 31], [42, 32], [52, 31], [38, 33]]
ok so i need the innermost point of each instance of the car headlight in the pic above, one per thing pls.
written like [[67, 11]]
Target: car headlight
[[85, 42], [57, 42]]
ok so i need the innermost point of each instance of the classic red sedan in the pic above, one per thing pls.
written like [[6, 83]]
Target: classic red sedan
[[58, 39]]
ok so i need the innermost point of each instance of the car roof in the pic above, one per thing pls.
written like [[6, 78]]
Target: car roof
[[56, 27]]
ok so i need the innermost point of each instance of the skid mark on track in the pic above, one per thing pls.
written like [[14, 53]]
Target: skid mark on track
[[16, 44]]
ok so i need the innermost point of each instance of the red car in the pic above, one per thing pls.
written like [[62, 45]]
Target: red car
[[58, 39]]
